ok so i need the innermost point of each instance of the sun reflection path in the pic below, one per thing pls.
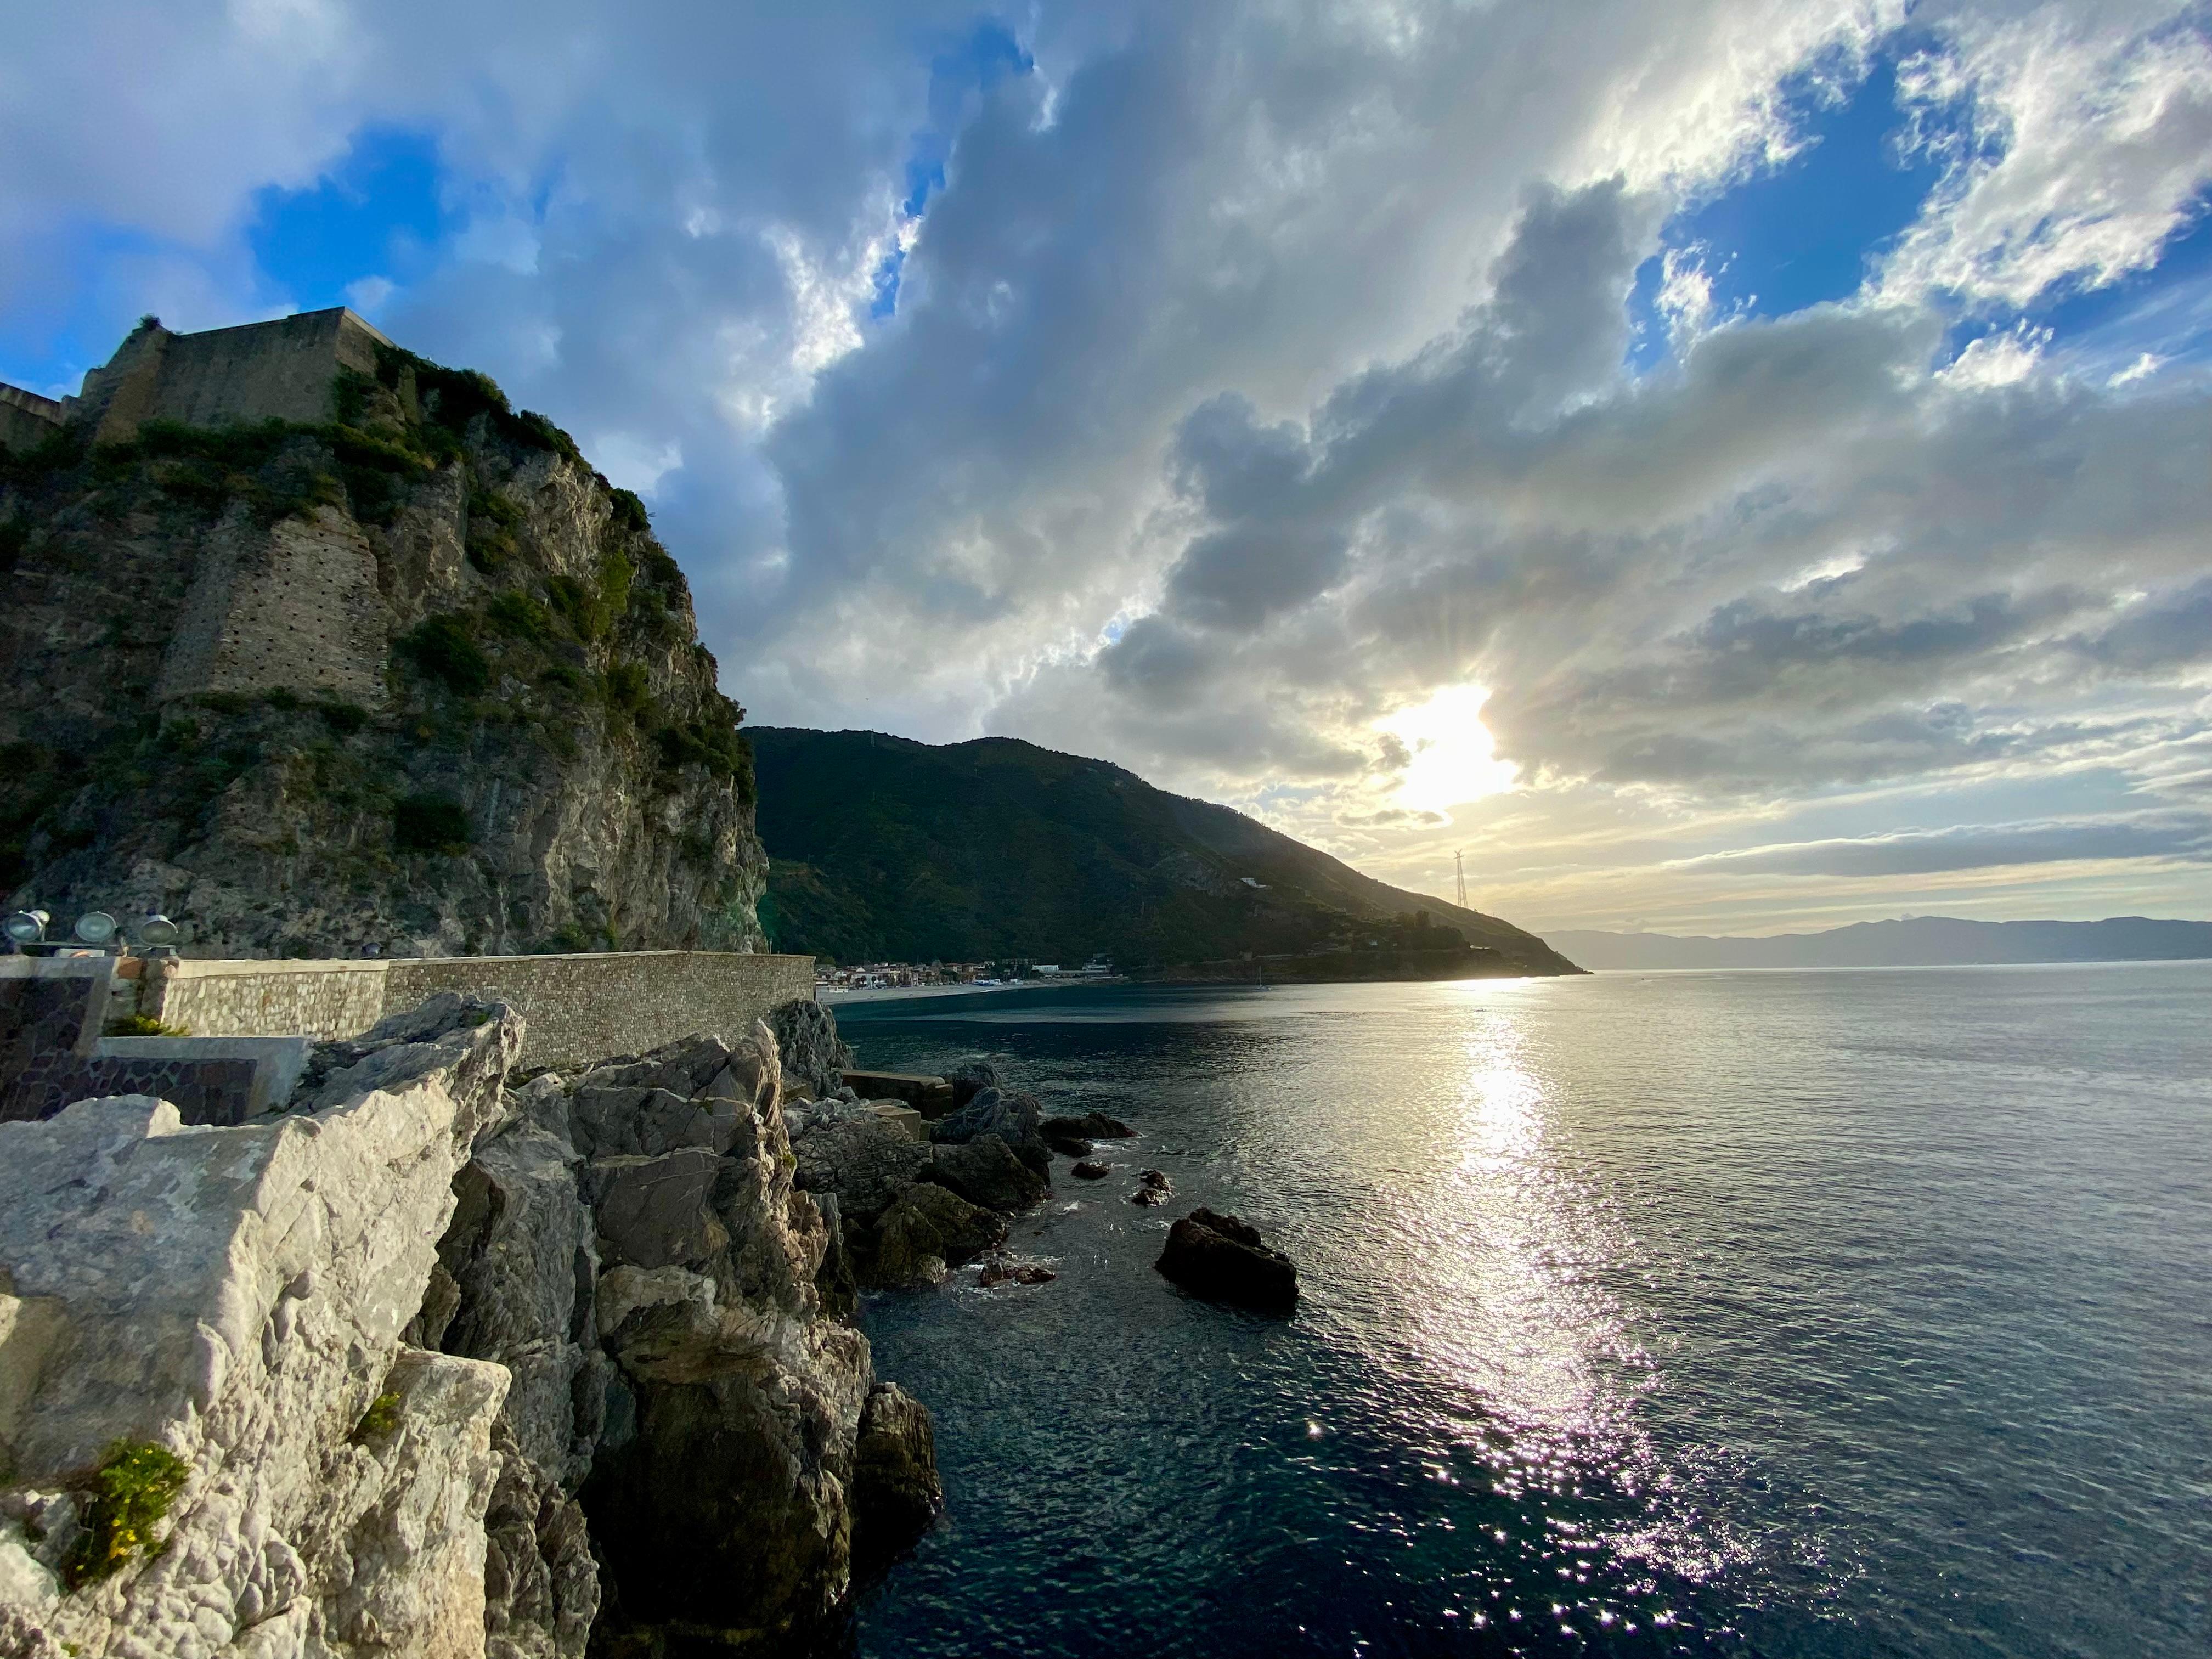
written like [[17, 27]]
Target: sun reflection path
[[1512, 1308]]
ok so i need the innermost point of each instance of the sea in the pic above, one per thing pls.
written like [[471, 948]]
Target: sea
[[1862, 1312]]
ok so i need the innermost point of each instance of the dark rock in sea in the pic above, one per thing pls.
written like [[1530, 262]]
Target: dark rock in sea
[[1153, 1188], [1090, 1169], [1070, 1146], [1011, 1117], [1014, 1270], [1223, 1260], [895, 1494], [866, 1162], [971, 1080], [927, 1223], [985, 1171], [1094, 1125]]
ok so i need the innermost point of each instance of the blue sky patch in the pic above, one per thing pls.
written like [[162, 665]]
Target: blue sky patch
[[958, 76], [376, 214], [1806, 233]]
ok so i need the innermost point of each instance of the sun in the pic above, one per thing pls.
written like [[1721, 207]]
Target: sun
[[1454, 760]]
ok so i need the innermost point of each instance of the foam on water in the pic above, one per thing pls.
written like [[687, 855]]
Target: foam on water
[[1817, 1314]]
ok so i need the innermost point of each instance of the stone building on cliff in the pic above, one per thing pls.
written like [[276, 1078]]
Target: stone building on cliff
[[321, 648]]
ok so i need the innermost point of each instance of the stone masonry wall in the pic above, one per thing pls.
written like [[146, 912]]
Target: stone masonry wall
[[295, 607], [588, 1007], [325, 1000], [578, 1007]]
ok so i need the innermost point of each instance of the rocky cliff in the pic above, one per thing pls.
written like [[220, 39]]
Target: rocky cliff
[[413, 676], [434, 1364]]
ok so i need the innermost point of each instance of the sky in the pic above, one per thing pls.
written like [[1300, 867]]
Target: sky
[[1725, 466]]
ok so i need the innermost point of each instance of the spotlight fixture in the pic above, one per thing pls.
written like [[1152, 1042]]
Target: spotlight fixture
[[26, 926], [95, 927], [157, 930]]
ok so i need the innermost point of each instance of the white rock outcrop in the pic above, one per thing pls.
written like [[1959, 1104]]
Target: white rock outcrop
[[237, 1297]]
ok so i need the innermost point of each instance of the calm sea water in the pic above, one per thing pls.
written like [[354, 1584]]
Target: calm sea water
[[1819, 1313]]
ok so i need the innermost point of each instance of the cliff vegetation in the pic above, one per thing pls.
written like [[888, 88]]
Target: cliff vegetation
[[414, 679]]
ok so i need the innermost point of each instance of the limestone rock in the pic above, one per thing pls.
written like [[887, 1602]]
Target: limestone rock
[[237, 1296], [1013, 1118], [895, 1493], [866, 1162], [927, 1222], [814, 1055], [292, 661], [985, 1172], [972, 1079]]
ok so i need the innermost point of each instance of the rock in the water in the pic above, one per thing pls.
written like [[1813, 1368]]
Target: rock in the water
[[1012, 1118], [971, 1080], [1014, 1270], [1091, 1126], [985, 1171], [1223, 1260], [1070, 1146], [865, 1161], [1153, 1188], [814, 1055], [927, 1222], [1090, 1169], [896, 1493]]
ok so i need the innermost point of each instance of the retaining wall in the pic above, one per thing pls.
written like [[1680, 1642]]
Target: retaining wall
[[578, 1007]]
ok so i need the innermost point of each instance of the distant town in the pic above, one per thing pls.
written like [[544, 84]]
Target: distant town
[[885, 975]]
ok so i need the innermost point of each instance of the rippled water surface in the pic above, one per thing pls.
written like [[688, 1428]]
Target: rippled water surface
[[1851, 1313]]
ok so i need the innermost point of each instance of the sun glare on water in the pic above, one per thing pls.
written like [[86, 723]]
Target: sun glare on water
[[1454, 760]]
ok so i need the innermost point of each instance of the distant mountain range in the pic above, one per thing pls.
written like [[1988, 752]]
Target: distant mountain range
[[885, 849], [1913, 941]]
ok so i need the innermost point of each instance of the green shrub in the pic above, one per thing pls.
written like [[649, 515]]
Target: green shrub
[[144, 1025], [629, 690], [429, 823], [518, 614], [629, 513], [132, 1490], [381, 1421], [14, 538], [441, 647], [343, 718], [350, 391]]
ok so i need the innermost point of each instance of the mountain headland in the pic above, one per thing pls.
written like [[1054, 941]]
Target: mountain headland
[[321, 648], [1908, 942], [882, 847]]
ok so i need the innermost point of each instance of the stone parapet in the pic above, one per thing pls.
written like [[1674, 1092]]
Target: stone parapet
[[578, 1008]]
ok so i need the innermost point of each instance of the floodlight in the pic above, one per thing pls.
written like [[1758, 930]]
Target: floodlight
[[158, 929], [95, 927], [26, 926]]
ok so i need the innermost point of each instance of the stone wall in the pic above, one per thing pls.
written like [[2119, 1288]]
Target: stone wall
[[582, 1008], [578, 1007], [26, 420], [266, 999], [295, 607], [255, 372]]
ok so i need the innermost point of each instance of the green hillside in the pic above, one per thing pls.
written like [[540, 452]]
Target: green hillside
[[885, 849]]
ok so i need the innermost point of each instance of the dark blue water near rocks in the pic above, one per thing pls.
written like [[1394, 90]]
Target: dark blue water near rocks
[[1790, 1314]]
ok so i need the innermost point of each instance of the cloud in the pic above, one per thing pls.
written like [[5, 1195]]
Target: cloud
[[2187, 837], [1200, 386]]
